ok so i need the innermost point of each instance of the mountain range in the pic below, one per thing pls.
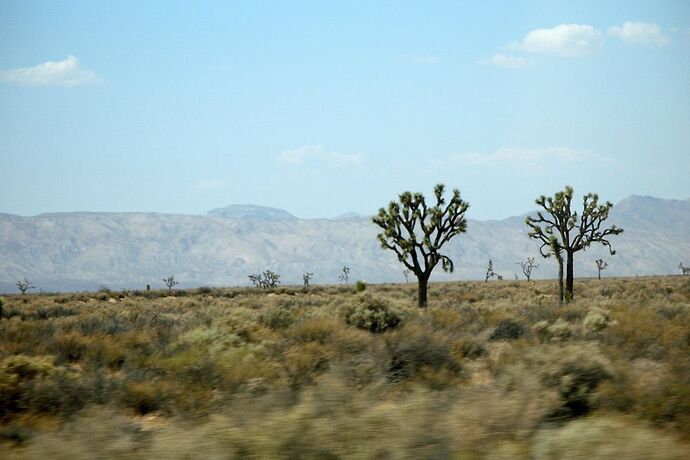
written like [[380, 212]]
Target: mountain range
[[88, 250]]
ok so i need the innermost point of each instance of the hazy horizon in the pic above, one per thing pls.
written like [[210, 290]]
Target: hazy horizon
[[345, 214], [324, 109]]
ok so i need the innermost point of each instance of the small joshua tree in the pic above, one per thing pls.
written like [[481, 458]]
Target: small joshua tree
[[406, 274], [601, 265], [345, 274], [564, 232], [306, 277], [490, 273], [170, 282], [24, 285], [527, 267], [265, 280], [416, 232], [685, 270]]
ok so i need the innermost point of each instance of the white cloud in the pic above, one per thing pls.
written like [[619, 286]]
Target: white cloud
[[519, 155], [506, 61], [568, 40], [62, 73], [639, 33], [420, 59], [311, 153]]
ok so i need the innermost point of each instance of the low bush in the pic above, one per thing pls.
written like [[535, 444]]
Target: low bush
[[418, 353], [507, 330], [373, 315]]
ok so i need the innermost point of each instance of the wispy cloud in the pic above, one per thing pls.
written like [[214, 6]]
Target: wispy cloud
[[567, 40], [639, 33], [521, 156], [507, 61], [307, 154], [63, 73], [420, 59]]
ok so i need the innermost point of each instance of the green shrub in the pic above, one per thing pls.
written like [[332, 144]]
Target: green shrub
[[373, 315], [361, 286]]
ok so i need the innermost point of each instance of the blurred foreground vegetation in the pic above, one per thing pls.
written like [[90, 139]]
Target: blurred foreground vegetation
[[490, 370]]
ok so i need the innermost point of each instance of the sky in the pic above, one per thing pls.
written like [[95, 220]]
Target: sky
[[323, 108]]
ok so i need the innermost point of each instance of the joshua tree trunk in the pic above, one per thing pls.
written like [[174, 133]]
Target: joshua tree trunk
[[559, 259], [569, 277], [422, 282]]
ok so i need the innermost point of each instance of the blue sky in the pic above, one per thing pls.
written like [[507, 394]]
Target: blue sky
[[322, 108]]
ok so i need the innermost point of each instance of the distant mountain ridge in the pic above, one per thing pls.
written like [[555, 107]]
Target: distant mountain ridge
[[74, 251], [248, 211]]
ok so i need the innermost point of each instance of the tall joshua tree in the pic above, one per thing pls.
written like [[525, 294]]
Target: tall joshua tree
[[416, 232], [562, 232]]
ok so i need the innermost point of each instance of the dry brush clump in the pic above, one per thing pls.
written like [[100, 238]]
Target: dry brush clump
[[488, 370]]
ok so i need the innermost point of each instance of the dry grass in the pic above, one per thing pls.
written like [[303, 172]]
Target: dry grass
[[489, 370]]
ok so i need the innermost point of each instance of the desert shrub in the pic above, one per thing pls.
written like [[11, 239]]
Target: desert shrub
[[360, 286], [575, 373], [35, 384], [62, 392], [70, 347], [15, 372], [558, 331], [319, 329], [143, 397], [471, 348], [204, 290], [597, 319], [15, 434], [277, 317], [507, 329], [96, 324], [97, 432], [373, 315], [303, 362], [54, 312], [420, 353], [600, 438]]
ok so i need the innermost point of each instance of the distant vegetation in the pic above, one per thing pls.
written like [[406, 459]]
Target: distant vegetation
[[487, 370]]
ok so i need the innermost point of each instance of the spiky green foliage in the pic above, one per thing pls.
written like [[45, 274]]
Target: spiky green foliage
[[561, 230], [416, 232]]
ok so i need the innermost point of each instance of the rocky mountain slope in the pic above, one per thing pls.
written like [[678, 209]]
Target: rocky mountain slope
[[72, 251]]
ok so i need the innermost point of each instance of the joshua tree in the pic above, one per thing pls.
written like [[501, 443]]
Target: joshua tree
[[417, 232], [170, 282], [685, 270], [601, 265], [528, 266], [24, 285], [561, 231], [490, 273], [345, 274], [266, 280], [306, 277], [406, 274]]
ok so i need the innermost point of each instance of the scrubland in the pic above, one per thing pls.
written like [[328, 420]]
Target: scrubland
[[490, 370]]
